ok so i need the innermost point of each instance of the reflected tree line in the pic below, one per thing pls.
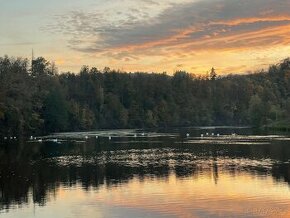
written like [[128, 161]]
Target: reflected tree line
[[36, 99], [36, 170]]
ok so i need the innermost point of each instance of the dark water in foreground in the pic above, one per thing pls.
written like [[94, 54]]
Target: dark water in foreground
[[155, 174]]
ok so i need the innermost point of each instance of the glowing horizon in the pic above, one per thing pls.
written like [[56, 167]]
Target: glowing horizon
[[150, 36]]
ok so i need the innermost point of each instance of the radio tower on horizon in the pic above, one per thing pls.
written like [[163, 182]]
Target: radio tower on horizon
[[32, 55], [32, 59]]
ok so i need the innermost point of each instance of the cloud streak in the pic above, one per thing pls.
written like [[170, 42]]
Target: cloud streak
[[175, 30]]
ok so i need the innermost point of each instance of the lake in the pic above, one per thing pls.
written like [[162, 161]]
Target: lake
[[153, 173]]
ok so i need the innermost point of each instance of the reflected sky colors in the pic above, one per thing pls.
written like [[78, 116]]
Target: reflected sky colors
[[234, 36], [202, 197], [159, 175], [242, 195]]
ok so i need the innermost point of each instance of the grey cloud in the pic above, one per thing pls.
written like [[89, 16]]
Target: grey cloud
[[97, 32]]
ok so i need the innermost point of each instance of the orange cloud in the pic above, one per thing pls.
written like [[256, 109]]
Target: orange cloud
[[247, 20], [223, 40]]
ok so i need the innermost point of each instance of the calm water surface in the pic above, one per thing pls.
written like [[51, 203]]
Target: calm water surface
[[147, 174]]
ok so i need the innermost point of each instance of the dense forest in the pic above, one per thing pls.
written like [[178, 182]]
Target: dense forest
[[36, 99]]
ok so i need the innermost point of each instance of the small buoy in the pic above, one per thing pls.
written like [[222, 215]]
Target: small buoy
[[212, 134], [34, 138], [207, 133], [54, 140], [11, 137], [31, 137], [39, 140], [14, 137], [201, 135], [97, 137], [5, 138], [218, 135], [135, 135], [110, 137], [86, 137], [187, 134], [143, 134]]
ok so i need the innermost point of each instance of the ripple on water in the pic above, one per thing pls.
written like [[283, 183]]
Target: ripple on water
[[170, 157]]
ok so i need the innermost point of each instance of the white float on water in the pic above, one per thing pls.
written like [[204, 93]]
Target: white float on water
[[135, 135], [187, 134], [110, 137], [201, 135], [218, 135], [31, 137], [54, 140], [143, 134], [97, 137], [212, 134], [86, 137], [207, 133]]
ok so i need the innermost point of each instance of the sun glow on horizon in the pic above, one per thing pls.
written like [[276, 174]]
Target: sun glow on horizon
[[150, 36]]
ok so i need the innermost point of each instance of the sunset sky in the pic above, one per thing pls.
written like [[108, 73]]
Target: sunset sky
[[234, 36]]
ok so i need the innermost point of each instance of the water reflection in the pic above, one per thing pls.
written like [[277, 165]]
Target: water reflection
[[168, 178]]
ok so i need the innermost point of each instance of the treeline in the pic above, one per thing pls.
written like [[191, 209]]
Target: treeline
[[35, 99]]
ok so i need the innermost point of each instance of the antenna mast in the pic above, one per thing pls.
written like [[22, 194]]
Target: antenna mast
[[32, 59], [32, 55]]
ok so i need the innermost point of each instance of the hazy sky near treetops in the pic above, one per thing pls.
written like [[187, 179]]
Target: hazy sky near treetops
[[233, 36]]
